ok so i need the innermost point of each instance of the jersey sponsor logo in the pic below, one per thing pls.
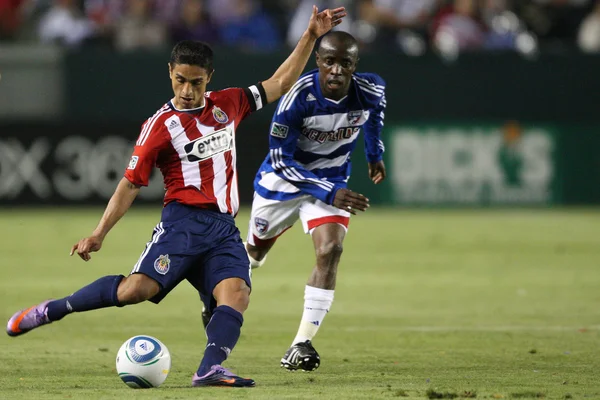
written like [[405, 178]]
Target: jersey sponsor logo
[[133, 162], [331, 136], [261, 225], [279, 130], [209, 146], [220, 115], [311, 97], [162, 264], [354, 116]]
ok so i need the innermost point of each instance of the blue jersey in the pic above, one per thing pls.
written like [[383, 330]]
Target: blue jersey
[[312, 137]]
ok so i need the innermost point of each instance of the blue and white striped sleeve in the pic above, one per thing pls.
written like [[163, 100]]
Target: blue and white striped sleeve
[[283, 138], [374, 147]]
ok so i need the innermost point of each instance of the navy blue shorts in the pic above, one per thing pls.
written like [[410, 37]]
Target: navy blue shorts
[[202, 246]]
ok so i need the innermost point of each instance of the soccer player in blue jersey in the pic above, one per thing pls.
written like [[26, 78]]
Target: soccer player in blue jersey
[[312, 135]]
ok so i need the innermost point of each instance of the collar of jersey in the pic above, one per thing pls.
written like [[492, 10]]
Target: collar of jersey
[[336, 101], [188, 110]]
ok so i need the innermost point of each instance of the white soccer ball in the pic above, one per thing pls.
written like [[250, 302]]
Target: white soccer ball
[[143, 362]]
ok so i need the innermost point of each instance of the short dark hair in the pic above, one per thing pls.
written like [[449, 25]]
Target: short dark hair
[[193, 52], [341, 37]]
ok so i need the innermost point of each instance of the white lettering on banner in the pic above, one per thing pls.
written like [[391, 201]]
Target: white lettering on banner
[[78, 168], [472, 166], [209, 145], [20, 168]]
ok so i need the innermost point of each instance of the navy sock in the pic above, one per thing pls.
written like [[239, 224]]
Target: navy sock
[[99, 294], [223, 332]]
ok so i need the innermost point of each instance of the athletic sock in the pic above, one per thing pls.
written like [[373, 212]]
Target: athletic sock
[[223, 332], [317, 303], [99, 294]]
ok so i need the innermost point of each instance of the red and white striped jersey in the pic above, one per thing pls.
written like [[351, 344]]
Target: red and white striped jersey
[[195, 149]]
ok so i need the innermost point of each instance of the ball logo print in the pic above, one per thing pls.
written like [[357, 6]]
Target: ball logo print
[[162, 264], [144, 347]]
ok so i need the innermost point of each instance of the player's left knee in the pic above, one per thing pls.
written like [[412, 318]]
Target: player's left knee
[[329, 252]]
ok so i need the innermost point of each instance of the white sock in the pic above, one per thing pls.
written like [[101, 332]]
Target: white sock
[[255, 263], [317, 303]]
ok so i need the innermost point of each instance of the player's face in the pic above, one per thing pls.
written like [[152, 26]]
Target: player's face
[[189, 84], [336, 65]]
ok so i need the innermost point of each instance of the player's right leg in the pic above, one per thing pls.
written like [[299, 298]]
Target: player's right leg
[[327, 225], [147, 281], [108, 291]]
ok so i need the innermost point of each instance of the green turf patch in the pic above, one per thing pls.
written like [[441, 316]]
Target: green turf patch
[[453, 302]]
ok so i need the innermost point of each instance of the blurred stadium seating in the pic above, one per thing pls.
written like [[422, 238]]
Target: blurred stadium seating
[[490, 102]]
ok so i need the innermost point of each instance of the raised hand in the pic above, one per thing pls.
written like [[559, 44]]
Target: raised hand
[[322, 22], [347, 200], [377, 172], [85, 246]]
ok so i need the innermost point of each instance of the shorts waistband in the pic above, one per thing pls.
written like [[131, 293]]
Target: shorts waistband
[[175, 211]]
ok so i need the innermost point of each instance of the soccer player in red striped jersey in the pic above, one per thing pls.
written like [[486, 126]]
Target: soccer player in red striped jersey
[[191, 139]]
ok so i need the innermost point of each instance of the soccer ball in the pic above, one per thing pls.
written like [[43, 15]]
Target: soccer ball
[[143, 362]]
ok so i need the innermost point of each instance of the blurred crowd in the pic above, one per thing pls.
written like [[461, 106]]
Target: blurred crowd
[[409, 26]]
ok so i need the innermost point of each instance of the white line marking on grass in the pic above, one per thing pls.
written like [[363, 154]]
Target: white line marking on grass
[[501, 328]]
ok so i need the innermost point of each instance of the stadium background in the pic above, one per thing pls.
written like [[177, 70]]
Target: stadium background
[[476, 277], [489, 104]]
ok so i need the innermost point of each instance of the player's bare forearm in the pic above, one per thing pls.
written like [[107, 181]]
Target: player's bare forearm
[[288, 73], [117, 206]]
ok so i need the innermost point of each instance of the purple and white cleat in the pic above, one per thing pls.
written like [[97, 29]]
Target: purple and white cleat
[[219, 376], [25, 320]]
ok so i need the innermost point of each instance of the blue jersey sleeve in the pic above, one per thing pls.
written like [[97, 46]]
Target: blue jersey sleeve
[[374, 147], [285, 131]]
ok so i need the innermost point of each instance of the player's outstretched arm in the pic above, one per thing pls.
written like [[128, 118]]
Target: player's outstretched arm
[[288, 73], [117, 206]]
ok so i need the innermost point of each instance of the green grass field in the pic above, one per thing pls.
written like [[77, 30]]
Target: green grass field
[[438, 304]]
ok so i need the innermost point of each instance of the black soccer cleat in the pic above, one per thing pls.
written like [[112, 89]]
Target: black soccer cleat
[[206, 316], [303, 356]]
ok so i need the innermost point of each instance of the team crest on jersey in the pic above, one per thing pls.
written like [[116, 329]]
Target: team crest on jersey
[[354, 116], [279, 130], [162, 264], [261, 225], [133, 162], [220, 115]]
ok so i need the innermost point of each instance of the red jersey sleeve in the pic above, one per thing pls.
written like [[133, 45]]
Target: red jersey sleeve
[[153, 138], [247, 100]]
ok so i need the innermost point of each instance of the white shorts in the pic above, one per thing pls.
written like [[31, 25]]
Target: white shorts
[[270, 218]]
